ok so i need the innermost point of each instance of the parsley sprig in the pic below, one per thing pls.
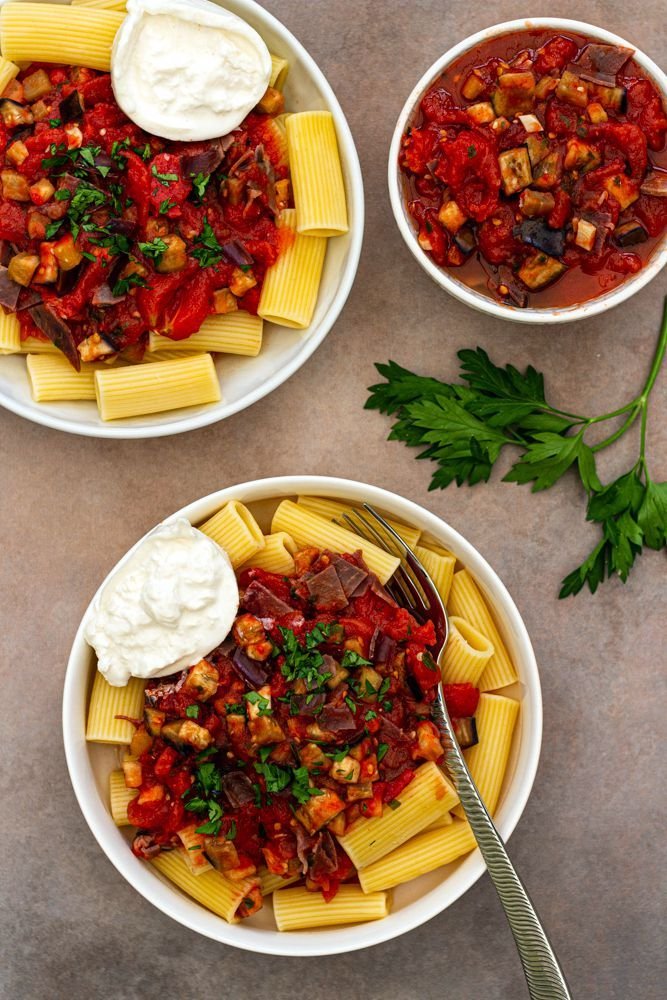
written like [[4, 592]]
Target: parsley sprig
[[464, 427], [207, 250], [203, 796]]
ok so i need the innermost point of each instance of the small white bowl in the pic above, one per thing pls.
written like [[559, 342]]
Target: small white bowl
[[446, 277], [242, 380], [413, 903]]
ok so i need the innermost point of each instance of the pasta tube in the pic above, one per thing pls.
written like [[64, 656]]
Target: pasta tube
[[53, 378], [236, 531], [279, 71], [431, 849], [289, 292], [100, 4], [107, 702], [211, 889], [466, 654], [46, 32], [424, 800], [466, 601], [10, 334], [8, 70], [231, 333], [317, 176], [334, 510], [277, 554], [32, 345], [171, 385], [487, 761], [120, 797], [440, 567], [268, 882], [295, 909], [307, 528]]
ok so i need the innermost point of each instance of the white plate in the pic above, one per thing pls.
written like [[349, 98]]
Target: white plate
[[242, 380], [446, 277], [413, 903]]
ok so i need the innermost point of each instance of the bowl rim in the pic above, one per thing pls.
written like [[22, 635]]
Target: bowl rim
[[327, 941], [173, 423], [443, 277]]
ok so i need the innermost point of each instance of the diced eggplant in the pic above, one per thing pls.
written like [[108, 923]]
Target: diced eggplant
[[14, 114], [15, 187], [66, 280], [581, 156], [17, 153], [154, 720], [655, 185], [451, 217], [630, 233], [572, 89], [531, 123], [174, 258], [242, 281], [22, 267], [29, 298], [71, 108], [185, 732], [465, 239], [272, 102], [465, 731], [549, 171], [67, 253], [57, 330], [5, 252], [540, 270], [624, 190], [544, 87], [536, 233], [500, 125], [514, 95], [533, 204], [612, 98], [585, 234], [482, 113], [9, 291], [204, 162], [236, 253], [222, 854], [596, 113], [473, 87], [224, 302], [538, 147], [515, 169], [598, 59], [36, 85], [202, 680]]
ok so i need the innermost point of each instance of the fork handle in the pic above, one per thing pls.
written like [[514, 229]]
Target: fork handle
[[543, 973]]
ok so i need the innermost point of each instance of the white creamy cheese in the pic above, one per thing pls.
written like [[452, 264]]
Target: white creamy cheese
[[171, 602], [187, 69]]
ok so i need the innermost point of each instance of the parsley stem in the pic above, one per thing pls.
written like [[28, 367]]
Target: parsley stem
[[628, 422], [657, 359]]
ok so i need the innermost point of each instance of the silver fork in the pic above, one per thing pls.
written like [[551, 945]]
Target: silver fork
[[412, 587]]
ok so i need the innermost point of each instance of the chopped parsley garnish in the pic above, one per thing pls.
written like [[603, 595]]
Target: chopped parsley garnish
[[205, 790], [155, 249], [192, 711], [52, 229], [231, 833], [301, 788], [123, 285], [382, 751], [393, 803], [350, 703], [370, 714], [276, 777], [165, 206], [262, 704], [200, 183], [64, 194], [54, 122], [384, 687], [352, 659], [207, 250], [164, 179], [471, 152], [305, 662]]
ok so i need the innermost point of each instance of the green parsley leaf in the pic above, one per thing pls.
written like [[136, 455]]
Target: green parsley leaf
[[155, 249], [123, 285], [352, 659], [393, 803], [200, 183], [276, 777], [52, 229], [263, 704], [382, 751], [231, 833], [55, 122], [370, 714], [192, 711], [301, 788], [350, 703], [165, 206], [164, 179], [207, 249], [63, 194]]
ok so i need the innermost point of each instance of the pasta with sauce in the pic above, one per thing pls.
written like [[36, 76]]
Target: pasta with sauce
[[293, 761]]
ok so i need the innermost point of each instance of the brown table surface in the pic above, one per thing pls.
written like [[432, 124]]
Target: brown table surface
[[590, 844]]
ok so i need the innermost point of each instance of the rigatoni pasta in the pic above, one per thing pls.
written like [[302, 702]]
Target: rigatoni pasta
[[334, 510], [277, 555], [466, 601], [495, 717], [317, 176], [211, 889], [44, 32], [237, 332], [120, 797], [425, 852], [236, 531], [289, 293], [466, 654], [142, 389], [52, 378], [110, 709], [295, 909]]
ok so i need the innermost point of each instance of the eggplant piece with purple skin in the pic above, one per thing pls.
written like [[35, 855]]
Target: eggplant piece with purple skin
[[71, 108], [104, 296], [536, 233], [465, 731], [58, 332], [465, 239], [630, 233], [9, 290], [600, 63], [655, 185], [204, 161], [235, 253]]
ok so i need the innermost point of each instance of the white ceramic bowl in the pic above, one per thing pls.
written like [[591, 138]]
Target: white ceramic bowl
[[446, 278], [243, 380], [413, 903]]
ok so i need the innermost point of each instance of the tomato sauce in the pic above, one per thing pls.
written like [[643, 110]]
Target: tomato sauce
[[551, 209], [314, 713], [108, 232]]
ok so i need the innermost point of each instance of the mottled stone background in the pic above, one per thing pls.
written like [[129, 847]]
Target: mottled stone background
[[590, 844]]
